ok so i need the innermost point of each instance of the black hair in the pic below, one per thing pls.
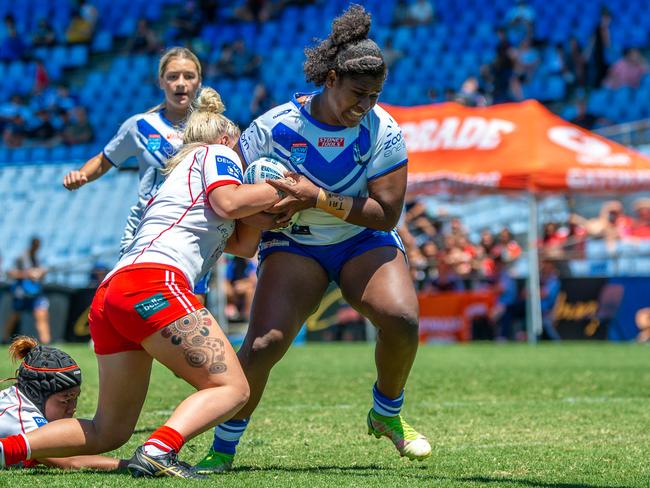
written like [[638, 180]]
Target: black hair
[[347, 50]]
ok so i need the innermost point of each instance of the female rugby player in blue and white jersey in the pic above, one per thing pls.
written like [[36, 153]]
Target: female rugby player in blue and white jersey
[[151, 137], [349, 159]]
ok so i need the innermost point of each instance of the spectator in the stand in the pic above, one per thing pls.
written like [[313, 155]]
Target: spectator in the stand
[[12, 47], [77, 130], [401, 14], [188, 21], [641, 224], [255, 11], [421, 12], [627, 71], [549, 291], [41, 78], [470, 94], [391, 54], [576, 240], [446, 279], [43, 131], [611, 224], [89, 13], [27, 293], [15, 131], [506, 247], [501, 71], [237, 61], [596, 52], [458, 255], [144, 39], [521, 14], [456, 228], [262, 100], [44, 34], [583, 117], [576, 64], [506, 308], [526, 61], [552, 245], [80, 30]]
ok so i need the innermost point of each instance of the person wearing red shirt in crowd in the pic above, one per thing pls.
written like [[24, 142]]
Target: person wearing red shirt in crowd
[[641, 225]]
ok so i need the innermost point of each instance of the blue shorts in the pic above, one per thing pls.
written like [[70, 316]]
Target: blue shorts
[[202, 287], [29, 304], [331, 257]]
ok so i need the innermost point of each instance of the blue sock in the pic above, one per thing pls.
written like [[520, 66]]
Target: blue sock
[[388, 407], [227, 435]]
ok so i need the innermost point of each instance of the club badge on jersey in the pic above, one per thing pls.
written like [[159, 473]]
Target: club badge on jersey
[[298, 153], [154, 142]]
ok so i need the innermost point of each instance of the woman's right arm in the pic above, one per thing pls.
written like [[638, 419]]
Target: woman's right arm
[[94, 168]]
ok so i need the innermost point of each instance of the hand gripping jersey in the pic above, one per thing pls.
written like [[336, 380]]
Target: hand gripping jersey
[[178, 227], [17, 413], [339, 159], [151, 139]]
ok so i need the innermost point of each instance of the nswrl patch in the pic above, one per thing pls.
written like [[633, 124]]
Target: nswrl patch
[[146, 308], [154, 141], [227, 167]]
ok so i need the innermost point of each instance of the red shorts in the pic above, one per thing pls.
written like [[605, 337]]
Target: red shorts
[[135, 302]]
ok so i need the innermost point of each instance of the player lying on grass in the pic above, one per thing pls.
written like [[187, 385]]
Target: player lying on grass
[[145, 308], [48, 385]]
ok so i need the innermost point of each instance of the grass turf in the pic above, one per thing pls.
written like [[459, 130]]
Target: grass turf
[[552, 416]]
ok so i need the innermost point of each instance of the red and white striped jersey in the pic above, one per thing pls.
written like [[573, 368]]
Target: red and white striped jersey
[[17, 413], [179, 227]]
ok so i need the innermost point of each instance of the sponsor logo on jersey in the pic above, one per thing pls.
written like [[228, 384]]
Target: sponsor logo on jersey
[[227, 167], [298, 153], [280, 114], [154, 142], [273, 243], [146, 308], [300, 230], [40, 421], [331, 141]]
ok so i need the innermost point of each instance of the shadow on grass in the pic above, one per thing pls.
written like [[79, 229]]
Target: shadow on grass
[[423, 473]]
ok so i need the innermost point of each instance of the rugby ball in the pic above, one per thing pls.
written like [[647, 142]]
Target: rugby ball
[[263, 169]]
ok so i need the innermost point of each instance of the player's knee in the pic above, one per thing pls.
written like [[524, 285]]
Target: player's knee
[[113, 439], [271, 345], [401, 322]]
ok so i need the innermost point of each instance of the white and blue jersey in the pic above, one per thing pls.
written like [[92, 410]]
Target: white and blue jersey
[[151, 139], [339, 159]]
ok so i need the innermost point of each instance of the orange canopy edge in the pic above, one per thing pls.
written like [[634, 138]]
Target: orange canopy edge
[[512, 146]]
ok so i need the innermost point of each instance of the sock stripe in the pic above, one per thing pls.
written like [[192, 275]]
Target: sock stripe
[[383, 405]]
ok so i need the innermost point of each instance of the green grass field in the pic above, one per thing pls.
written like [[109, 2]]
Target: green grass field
[[552, 416]]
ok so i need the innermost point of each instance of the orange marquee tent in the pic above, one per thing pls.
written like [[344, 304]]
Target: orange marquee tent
[[520, 147], [513, 146]]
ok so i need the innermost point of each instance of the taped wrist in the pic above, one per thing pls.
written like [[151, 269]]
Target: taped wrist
[[334, 204]]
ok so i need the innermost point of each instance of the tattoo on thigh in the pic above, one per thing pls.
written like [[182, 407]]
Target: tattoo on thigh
[[192, 334]]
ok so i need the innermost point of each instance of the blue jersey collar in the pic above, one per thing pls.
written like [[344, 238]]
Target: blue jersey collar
[[168, 122]]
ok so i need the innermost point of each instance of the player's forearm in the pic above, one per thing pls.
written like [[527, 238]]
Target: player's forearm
[[244, 240], [365, 212], [95, 167], [243, 200]]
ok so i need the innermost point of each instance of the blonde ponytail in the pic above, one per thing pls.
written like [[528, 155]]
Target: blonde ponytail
[[20, 347], [205, 125]]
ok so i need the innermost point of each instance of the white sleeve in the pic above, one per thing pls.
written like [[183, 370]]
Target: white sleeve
[[255, 142], [123, 144], [221, 166], [389, 151]]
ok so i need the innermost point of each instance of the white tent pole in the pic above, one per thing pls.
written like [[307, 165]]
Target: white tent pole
[[533, 304]]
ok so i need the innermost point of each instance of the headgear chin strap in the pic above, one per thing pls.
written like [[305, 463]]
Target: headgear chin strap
[[44, 372]]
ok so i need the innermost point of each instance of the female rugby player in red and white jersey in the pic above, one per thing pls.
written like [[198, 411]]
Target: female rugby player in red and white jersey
[[145, 308]]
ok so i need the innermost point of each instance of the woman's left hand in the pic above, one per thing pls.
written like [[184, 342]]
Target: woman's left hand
[[300, 194]]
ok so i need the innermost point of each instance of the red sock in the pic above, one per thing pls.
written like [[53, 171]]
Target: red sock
[[16, 449], [165, 439]]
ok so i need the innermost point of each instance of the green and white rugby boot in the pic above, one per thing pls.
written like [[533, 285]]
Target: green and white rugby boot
[[406, 439]]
